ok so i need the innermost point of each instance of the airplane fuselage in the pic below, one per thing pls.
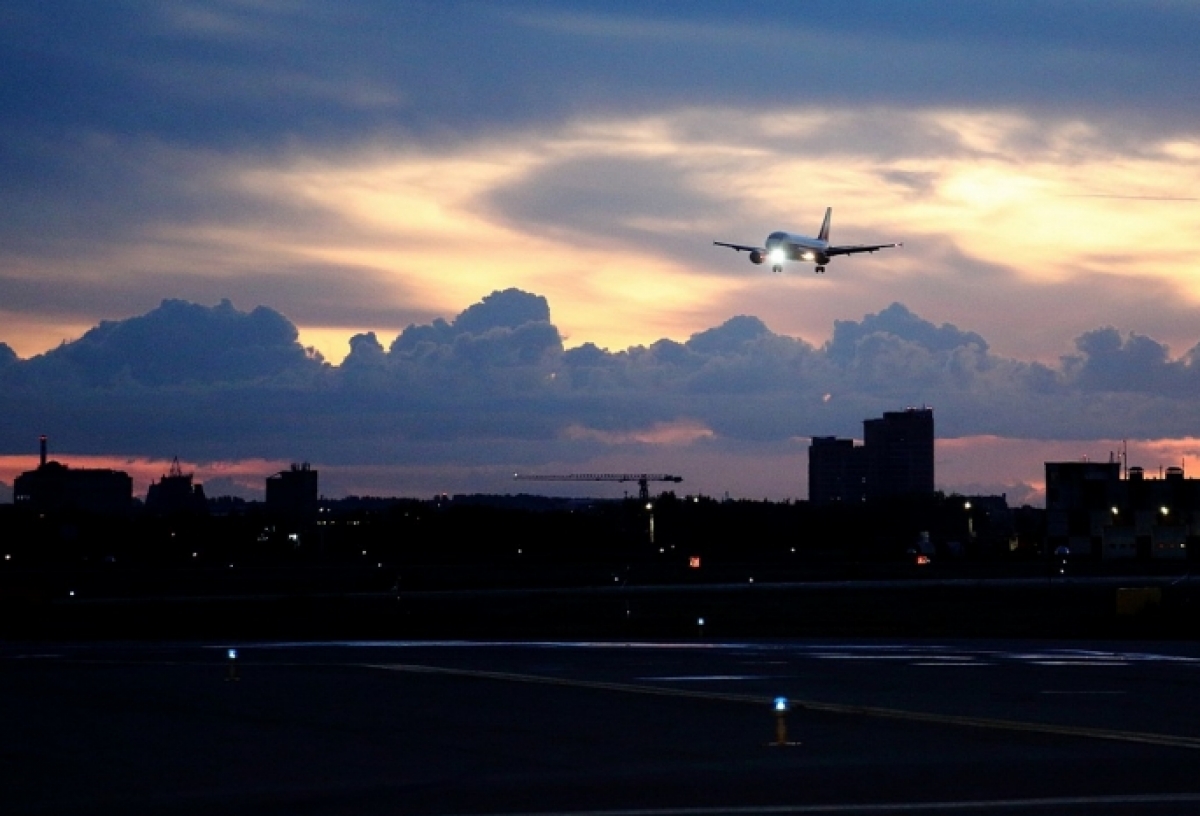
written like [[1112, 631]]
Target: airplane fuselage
[[786, 246]]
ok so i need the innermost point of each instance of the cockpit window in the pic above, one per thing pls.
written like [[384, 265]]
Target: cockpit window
[[776, 236]]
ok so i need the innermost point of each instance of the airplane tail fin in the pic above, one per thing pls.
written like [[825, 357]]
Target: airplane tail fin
[[823, 235]]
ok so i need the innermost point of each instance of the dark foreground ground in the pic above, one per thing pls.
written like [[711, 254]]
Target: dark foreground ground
[[673, 727], [317, 604]]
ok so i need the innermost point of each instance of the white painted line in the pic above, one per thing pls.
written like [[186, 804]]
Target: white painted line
[[1082, 692], [704, 677], [1058, 802], [949, 663], [1078, 663]]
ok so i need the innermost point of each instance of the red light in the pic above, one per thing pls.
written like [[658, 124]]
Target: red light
[[694, 562]]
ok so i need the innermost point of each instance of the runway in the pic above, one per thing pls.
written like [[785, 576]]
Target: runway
[[459, 727]]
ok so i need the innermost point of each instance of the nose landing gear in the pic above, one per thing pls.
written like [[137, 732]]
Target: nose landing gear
[[820, 270], [777, 269]]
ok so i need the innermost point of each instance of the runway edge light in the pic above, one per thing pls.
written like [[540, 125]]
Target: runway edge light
[[781, 707]]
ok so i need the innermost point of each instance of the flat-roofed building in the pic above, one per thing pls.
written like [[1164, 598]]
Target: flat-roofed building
[[56, 488], [899, 449], [1092, 510], [292, 494], [895, 460]]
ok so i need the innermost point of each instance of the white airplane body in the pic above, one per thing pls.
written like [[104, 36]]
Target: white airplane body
[[784, 246]]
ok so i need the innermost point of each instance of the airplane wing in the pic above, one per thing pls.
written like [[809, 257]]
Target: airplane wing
[[740, 248], [850, 250]]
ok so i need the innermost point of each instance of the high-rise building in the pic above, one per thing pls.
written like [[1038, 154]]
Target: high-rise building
[[899, 448], [836, 471], [895, 459]]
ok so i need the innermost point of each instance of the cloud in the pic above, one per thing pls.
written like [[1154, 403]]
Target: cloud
[[897, 321], [494, 389], [344, 164], [612, 217], [1135, 363], [176, 344]]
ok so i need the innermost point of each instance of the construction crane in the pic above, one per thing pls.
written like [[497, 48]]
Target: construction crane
[[643, 479]]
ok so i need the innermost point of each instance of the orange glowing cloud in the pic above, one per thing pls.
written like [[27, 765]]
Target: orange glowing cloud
[[1045, 212], [679, 433], [427, 229]]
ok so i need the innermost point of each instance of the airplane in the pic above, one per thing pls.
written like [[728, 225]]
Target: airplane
[[784, 246]]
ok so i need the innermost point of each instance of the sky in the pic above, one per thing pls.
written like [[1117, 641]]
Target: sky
[[427, 245]]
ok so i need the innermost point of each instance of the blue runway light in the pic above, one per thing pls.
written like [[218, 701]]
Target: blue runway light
[[233, 654], [781, 704]]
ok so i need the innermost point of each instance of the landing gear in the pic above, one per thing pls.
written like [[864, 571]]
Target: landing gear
[[777, 269], [820, 270]]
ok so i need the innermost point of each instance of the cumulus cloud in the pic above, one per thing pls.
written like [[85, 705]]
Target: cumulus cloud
[[497, 377], [175, 344], [1134, 363]]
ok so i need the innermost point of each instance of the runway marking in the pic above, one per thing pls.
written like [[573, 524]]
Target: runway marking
[[1089, 663], [892, 807], [839, 651], [1144, 738], [692, 678]]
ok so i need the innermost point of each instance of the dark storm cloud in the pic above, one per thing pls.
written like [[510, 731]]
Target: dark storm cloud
[[496, 385]]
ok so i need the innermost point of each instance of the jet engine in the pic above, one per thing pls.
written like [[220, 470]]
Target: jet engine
[[756, 257]]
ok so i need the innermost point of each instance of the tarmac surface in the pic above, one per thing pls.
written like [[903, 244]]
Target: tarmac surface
[[647, 728]]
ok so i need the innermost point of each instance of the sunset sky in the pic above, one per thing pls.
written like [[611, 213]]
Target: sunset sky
[[362, 168]]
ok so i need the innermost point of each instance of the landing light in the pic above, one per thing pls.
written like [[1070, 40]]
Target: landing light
[[781, 704], [777, 256], [808, 256]]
